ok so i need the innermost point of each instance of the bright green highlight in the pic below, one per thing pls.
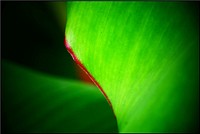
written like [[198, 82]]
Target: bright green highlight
[[145, 57], [36, 102]]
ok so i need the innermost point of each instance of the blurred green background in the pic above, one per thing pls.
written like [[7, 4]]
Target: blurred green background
[[40, 90]]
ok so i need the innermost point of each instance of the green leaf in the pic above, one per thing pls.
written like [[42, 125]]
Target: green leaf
[[145, 57], [37, 102]]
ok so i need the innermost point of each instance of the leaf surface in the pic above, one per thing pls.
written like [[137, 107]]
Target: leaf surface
[[37, 102], [144, 55]]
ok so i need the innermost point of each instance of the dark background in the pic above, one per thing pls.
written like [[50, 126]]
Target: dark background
[[32, 36]]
